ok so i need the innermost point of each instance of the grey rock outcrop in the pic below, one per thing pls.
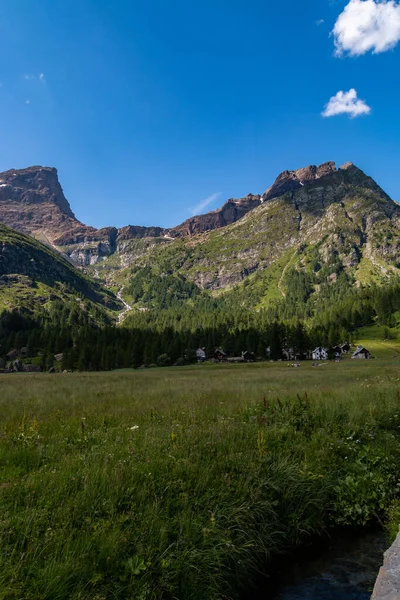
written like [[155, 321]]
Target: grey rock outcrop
[[387, 586], [17, 366]]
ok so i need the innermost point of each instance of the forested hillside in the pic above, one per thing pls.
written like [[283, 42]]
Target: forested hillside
[[40, 291]]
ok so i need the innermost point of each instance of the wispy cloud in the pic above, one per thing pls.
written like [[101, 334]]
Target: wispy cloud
[[346, 103], [320, 22], [367, 25], [27, 101], [32, 77], [199, 208]]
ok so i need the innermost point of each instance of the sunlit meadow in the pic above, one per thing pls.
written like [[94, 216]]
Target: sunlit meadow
[[184, 482]]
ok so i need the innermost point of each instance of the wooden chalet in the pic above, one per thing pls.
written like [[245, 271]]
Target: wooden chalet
[[248, 356], [220, 355], [320, 354], [201, 354], [361, 353]]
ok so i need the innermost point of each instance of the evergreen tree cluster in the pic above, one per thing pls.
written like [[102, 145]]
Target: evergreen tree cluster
[[170, 335]]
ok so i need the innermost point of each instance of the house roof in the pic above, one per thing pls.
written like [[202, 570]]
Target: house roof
[[361, 350]]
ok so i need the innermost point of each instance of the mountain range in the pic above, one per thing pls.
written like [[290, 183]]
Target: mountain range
[[328, 226], [32, 201]]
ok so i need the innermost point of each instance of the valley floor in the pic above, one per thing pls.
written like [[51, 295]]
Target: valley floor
[[183, 482]]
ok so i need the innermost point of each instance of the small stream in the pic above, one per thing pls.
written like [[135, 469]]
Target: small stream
[[343, 569]]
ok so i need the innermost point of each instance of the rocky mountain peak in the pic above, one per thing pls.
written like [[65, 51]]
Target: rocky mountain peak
[[34, 185], [32, 201], [355, 176], [289, 181], [346, 166]]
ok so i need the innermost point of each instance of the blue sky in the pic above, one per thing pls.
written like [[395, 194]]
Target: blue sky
[[149, 108]]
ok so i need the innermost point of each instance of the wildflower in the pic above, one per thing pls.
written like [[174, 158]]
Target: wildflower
[[134, 427]]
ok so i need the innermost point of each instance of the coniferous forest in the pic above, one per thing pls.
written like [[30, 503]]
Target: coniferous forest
[[170, 332]]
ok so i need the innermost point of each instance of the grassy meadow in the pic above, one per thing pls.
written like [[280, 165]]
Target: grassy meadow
[[182, 482], [374, 337]]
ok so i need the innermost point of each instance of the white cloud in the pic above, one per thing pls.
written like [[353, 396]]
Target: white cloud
[[27, 101], [320, 21], [42, 77], [366, 25], [346, 103], [195, 210]]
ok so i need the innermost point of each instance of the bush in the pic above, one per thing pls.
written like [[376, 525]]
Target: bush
[[163, 360]]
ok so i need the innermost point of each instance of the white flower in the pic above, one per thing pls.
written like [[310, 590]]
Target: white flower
[[134, 427]]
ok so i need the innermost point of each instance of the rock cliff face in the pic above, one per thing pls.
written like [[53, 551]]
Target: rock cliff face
[[35, 185], [136, 232], [32, 201], [231, 211]]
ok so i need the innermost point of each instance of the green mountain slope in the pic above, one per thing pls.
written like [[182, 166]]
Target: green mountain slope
[[309, 241], [36, 279]]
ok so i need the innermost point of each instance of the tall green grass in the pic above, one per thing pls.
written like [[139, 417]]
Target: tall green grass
[[184, 482]]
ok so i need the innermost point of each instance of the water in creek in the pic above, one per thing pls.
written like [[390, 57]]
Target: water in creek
[[344, 569]]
